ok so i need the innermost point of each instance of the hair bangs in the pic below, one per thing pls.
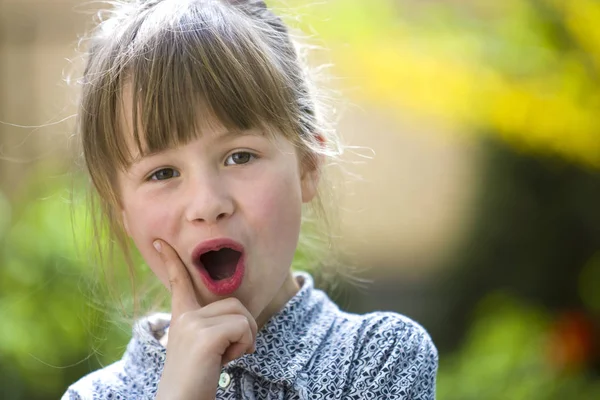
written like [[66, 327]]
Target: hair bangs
[[205, 66]]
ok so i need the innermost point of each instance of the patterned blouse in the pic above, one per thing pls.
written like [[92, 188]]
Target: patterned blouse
[[309, 350]]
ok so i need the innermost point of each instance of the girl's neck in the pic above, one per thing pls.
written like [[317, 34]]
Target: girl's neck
[[290, 287]]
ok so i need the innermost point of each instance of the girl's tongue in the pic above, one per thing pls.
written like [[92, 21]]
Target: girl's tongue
[[220, 264]]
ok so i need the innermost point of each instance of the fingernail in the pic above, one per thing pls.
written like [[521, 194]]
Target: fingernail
[[157, 246]]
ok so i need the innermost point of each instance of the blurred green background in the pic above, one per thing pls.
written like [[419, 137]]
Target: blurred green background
[[471, 201]]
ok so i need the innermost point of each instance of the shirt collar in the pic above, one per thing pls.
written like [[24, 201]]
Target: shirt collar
[[283, 346]]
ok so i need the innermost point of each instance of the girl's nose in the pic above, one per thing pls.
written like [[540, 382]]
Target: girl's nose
[[208, 201]]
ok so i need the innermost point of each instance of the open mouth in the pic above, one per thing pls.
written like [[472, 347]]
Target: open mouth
[[220, 264]]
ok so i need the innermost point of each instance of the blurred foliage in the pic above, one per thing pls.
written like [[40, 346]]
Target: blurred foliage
[[535, 238], [588, 284], [508, 355], [523, 70], [49, 294]]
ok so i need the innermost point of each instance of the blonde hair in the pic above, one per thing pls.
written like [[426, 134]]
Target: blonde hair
[[235, 60]]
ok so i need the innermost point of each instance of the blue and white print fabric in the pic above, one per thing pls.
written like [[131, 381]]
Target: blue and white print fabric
[[309, 350]]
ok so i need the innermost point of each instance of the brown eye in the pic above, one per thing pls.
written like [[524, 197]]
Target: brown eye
[[164, 174], [241, 157]]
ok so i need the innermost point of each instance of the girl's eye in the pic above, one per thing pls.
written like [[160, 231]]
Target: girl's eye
[[241, 157], [163, 174]]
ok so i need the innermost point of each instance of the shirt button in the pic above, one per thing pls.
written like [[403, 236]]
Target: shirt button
[[224, 380]]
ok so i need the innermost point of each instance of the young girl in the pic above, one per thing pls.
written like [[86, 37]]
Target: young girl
[[203, 142]]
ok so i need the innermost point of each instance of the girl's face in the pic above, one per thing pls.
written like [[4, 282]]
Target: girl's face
[[232, 187]]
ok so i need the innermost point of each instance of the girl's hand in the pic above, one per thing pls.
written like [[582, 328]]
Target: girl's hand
[[201, 339]]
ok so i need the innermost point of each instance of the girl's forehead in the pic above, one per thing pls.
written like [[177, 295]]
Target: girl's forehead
[[140, 141]]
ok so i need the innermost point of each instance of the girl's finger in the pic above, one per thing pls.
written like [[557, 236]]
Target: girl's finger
[[183, 296], [229, 306], [236, 337]]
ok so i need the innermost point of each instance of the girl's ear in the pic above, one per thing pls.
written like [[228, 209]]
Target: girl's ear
[[310, 183], [311, 172]]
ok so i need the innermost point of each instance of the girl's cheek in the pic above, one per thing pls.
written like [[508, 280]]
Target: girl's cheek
[[153, 220], [150, 225]]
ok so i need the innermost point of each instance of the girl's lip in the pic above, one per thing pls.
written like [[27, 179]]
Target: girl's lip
[[213, 245], [224, 287]]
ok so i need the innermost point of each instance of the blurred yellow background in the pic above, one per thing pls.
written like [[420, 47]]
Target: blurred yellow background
[[470, 200]]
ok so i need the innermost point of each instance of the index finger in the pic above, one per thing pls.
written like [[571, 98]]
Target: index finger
[[183, 296]]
